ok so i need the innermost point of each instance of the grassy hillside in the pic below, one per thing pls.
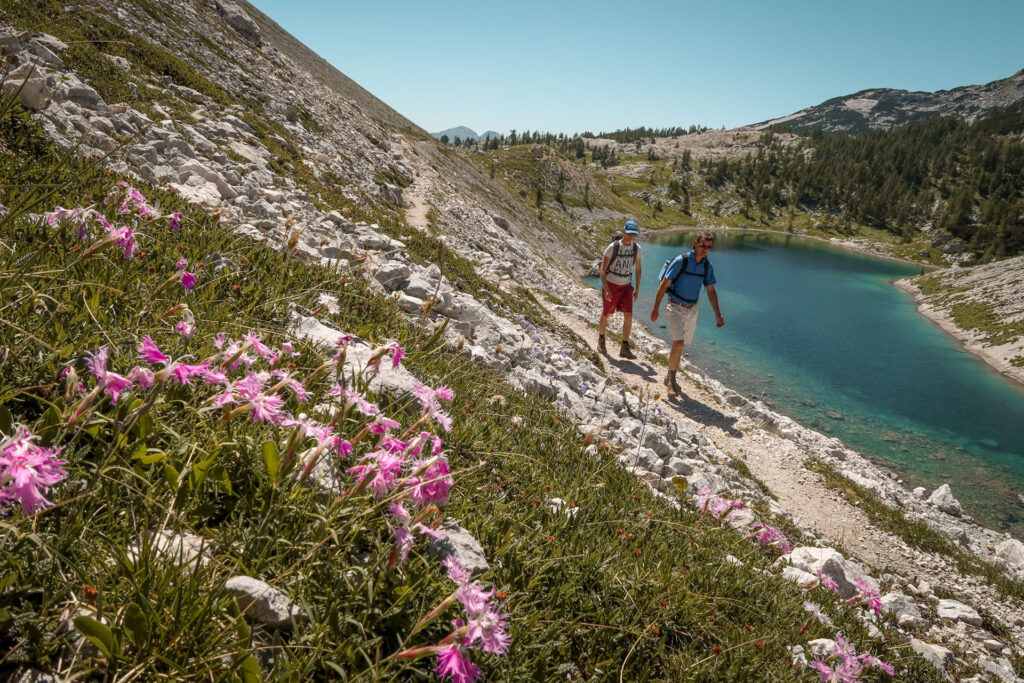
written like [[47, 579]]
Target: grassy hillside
[[626, 586], [583, 199]]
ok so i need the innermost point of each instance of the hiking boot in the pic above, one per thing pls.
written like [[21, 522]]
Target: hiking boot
[[672, 384], [601, 348], [624, 351]]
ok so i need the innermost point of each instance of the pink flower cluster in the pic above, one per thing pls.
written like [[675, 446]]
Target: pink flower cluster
[[771, 536], [27, 470], [718, 507], [867, 595], [484, 627], [848, 665]]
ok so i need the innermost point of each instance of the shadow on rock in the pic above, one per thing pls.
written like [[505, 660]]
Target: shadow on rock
[[642, 370], [695, 410]]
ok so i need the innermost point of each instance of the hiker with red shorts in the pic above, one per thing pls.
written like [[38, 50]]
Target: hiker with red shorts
[[617, 289]]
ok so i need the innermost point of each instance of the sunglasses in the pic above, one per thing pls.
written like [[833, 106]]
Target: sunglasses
[[705, 246]]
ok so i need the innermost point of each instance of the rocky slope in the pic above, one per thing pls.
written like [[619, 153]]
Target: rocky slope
[[322, 153], [888, 108]]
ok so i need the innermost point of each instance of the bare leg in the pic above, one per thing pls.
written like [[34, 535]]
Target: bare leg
[[627, 325], [603, 326], [675, 354]]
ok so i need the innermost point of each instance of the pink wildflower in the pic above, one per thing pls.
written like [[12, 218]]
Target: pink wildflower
[[150, 353], [868, 595], [827, 582], [141, 376], [181, 372], [456, 572], [126, 240], [396, 352], [433, 486], [188, 280], [453, 660], [111, 383], [489, 626], [360, 403], [267, 408], [185, 328], [27, 471], [257, 345], [175, 223], [769, 535], [382, 425], [181, 264]]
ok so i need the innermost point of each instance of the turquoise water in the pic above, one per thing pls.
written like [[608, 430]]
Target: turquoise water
[[824, 337]]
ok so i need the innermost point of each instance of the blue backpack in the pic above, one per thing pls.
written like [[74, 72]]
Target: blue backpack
[[682, 271]]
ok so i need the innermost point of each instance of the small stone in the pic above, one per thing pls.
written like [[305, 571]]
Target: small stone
[[459, 542], [262, 603]]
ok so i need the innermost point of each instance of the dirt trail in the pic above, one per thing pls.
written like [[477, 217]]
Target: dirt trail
[[775, 461]]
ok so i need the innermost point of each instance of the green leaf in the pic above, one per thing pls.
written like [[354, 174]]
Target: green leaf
[[250, 670], [144, 426], [200, 470], [171, 475], [47, 429], [98, 634], [136, 625], [271, 458]]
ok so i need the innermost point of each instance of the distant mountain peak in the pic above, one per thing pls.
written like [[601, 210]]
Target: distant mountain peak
[[465, 133], [882, 108]]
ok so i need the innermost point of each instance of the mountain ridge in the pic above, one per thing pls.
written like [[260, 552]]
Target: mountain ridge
[[881, 108]]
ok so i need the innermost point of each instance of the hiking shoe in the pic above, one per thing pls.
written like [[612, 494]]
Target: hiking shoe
[[624, 351], [672, 384], [600, 344]]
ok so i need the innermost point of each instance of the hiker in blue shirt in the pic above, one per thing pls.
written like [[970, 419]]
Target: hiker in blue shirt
[[682, 282]]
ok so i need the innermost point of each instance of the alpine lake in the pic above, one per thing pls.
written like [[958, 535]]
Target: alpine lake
[[822, 335]]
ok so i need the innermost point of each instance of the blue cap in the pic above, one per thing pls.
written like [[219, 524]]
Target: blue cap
[[631, 228]]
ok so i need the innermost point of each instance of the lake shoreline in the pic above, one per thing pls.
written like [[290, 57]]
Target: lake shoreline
[[996, 357], [838, 243]]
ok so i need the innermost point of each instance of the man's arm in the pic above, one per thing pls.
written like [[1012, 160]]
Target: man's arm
[[662, 288], [604, 278], [639, 272], [713, 298]]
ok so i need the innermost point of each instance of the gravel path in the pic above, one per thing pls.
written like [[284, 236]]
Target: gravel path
[[775, 461]]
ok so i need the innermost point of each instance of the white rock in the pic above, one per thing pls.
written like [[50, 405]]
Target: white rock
[[819, 648], [943, 499], [1011, 551], [832, 564], [957, 611], [262, 603], [899, 604], [458, 542], [939, 656]]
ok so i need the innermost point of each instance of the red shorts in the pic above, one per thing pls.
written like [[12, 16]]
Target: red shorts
[[621, 299]]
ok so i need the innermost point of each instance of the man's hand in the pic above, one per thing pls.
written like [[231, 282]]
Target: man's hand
[[720, 319], [654, 315], [607, 294], [636, 292]]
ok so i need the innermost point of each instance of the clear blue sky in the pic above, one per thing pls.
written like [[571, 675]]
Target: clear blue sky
[[569, 66]]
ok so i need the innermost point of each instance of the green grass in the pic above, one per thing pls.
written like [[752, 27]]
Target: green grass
[[628, 587]]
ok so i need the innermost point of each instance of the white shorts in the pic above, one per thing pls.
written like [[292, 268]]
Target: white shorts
[[682, 322]]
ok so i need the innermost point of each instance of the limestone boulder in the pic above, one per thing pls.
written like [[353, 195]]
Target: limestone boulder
[[262, 603], [943, 499]]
